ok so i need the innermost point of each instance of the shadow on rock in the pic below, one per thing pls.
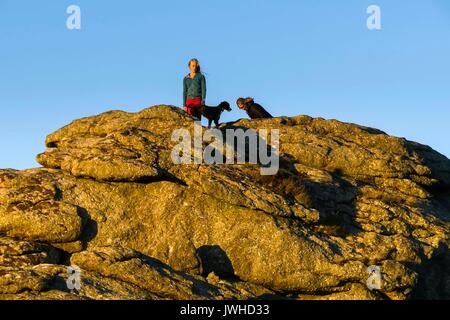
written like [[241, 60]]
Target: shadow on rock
[[434, 277], [90, 227], [214, 259]]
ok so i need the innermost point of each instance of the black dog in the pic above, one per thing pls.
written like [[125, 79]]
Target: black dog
[[211, 113]]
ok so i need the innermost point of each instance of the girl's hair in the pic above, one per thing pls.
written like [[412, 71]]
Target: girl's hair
[[240, 101], [244, 101], [199, 69]]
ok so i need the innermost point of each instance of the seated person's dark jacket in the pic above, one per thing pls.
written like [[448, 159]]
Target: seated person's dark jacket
[[256, 111]]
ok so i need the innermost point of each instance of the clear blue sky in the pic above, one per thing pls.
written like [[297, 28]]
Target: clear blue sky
[[312, 57]]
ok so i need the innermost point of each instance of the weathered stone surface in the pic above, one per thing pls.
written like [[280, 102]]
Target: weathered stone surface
[[110, 200], [15, 253], [117, 273], [29, 208], [152, 276], [20, 280], [356, 151]]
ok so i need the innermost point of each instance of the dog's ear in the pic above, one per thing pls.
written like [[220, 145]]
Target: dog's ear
[[226, 106]]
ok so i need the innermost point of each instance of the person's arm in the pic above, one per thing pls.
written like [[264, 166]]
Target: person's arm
[[184, 92], [203, 84]]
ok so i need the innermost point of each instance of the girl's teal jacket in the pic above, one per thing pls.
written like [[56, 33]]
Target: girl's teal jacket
[[194, 88]]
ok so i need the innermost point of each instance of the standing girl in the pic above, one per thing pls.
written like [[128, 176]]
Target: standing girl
[[194, 87]]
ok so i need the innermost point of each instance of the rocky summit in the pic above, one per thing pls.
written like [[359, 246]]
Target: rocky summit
[[110, 203]]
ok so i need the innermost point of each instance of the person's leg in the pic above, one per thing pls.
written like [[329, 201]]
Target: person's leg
[[188, 106], [191, 103]]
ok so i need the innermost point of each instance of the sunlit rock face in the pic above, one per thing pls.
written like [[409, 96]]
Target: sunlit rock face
[[110, 200]]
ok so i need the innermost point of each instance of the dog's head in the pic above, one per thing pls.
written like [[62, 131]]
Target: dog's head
[[225, 106]]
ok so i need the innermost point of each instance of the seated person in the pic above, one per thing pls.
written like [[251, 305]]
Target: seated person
[[254, 110]]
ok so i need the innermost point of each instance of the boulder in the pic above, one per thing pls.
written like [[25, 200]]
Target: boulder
[[110, 200]]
